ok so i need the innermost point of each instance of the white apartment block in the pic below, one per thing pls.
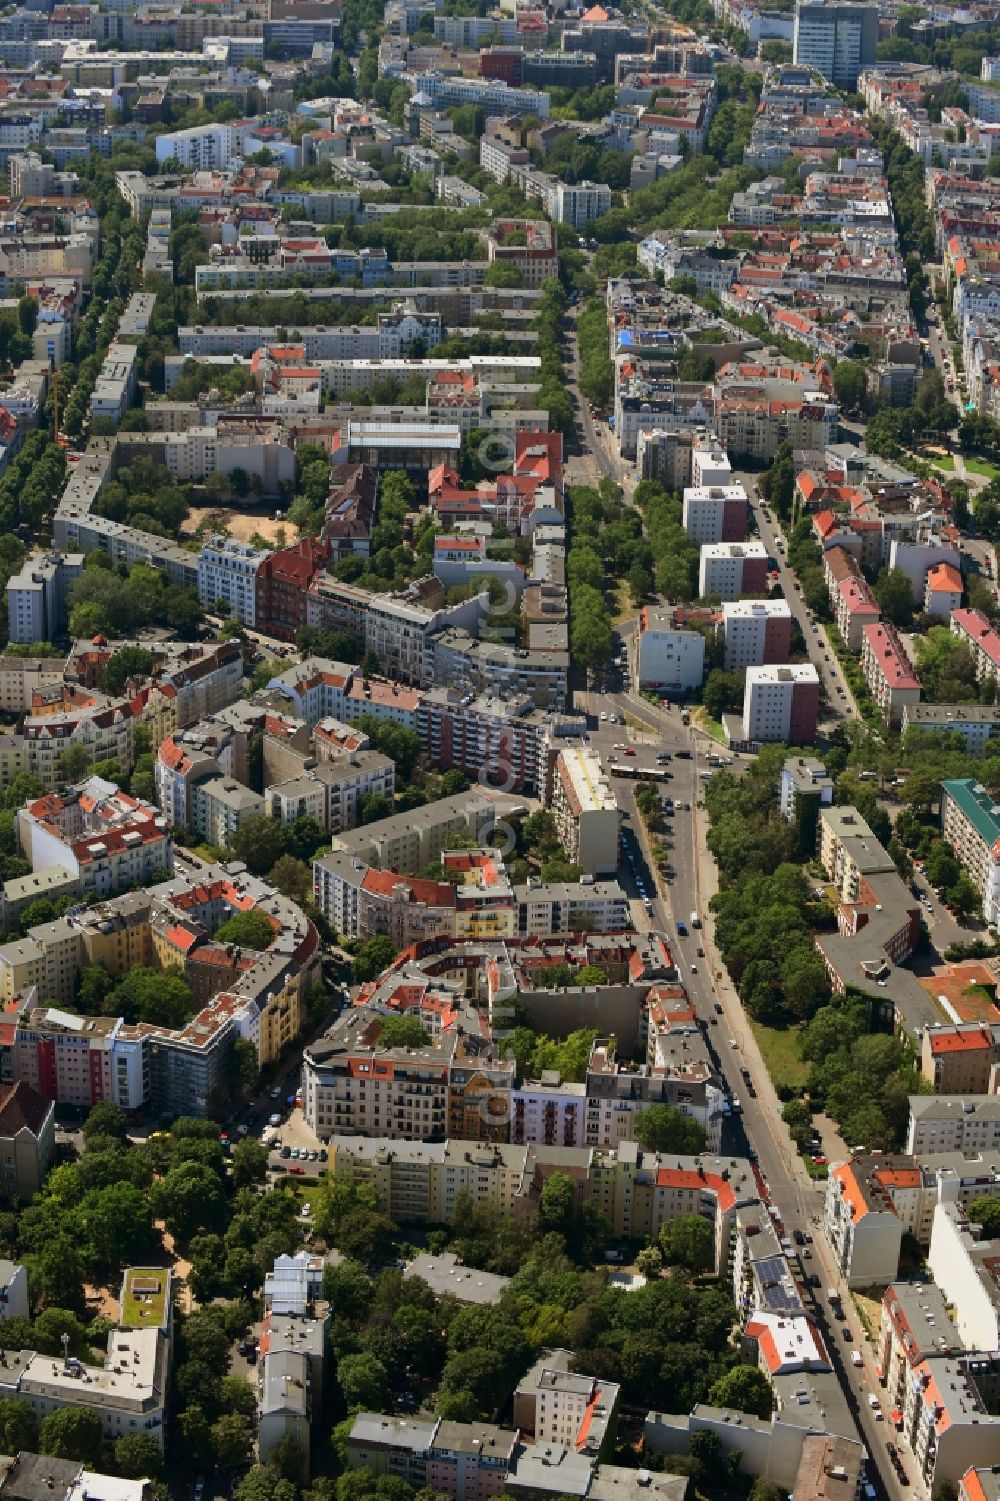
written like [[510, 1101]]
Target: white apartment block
[[969, 1124], [781, 703], [730, 570], [710, 463], [756, 632], [114, 391], [219, 806], [203, 147], [577, 204], [963, 1266], [585, 810], [714, 512], [664, 655], [558, 906], [36, 597], [227, 576]]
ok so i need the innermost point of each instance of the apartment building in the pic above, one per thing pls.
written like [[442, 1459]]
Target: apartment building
[[965, 1265], [27, 1149], [714, 512], [408, 842], [953, 1123], [664, 654], [557, 1406], [888, 671], [838, 40], [585, 810], [781, 703], [36, 596], [732, 570], [861, 1221], [710, 466], [915, 1324], [960, 1060], [201, 148], [115, 387], [332, 793], [972, 627], [353, 1085], [219, 805], [805, 790], [943, 591], [978, 724], [528, 245], [756, 632], [970, 821], [544, 909], [227, 578], [108, 839], [854, 606], [464, 1461]]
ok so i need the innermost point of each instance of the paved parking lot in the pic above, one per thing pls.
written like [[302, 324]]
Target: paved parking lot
[[293, 1132]]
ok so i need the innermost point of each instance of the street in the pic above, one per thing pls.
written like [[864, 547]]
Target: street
[[797, 1197]]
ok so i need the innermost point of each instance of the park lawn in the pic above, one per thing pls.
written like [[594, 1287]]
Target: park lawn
[[983, 467], [779, 1048], [623, 607], [942, 461]]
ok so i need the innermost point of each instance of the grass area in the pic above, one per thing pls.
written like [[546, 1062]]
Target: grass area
[[943, 461], [869, 1312], [623, 606], [210, 852], [983, 467], [779, 1047], [704, 721]]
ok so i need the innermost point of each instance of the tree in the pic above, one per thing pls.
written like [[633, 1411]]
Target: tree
[[894, 593], [250, 930], [292, 877], [402, 1032], [74, 762], [662, 1128], [374, 807], [72, 1433], [127, 662], [963, 896], [364, 1383], [371, 958], [137, 1455], [746, 1388], [18, 1426], [649, 1262], [249, 1161], [764, 1489], [260, 842], [985, 1212], [106, 1119], [556, 1203], [232, 1440], [189, 1199], [689, 1241], [850, 384]]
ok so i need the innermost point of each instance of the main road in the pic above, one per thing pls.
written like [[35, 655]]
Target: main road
[[757, 1127]]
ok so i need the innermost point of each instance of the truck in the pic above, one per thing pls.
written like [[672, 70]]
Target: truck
[[695, 920], [833, 1298]]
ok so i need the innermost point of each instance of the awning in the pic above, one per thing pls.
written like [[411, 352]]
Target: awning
[[897, 1417]]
